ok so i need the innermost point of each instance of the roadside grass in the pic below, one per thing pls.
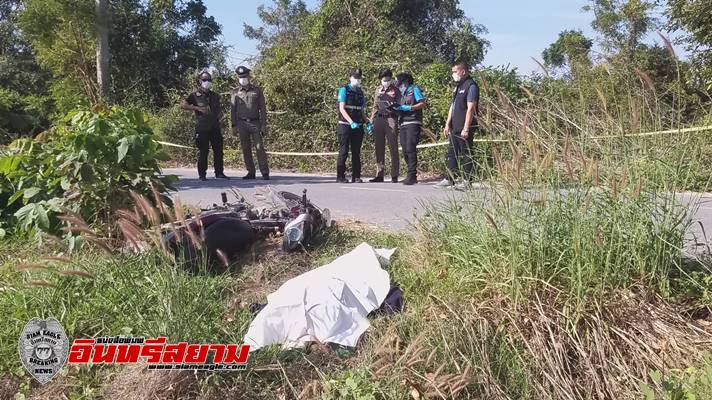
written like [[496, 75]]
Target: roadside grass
[[507, 297]]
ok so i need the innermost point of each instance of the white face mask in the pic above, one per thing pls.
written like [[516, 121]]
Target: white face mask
[[205, 84], [355, 82], [385, 83], [244, 81], [403, 88], [456, 77]]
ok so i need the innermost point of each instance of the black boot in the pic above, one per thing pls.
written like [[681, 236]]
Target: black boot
[[249, 176], [222, 176], [394, 179], [376, 179], [341, 179], [411, 180]]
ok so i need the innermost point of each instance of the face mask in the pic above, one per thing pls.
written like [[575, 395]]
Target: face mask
[[244, 81], [205, 84], [385, 84], [355, 82], [456, 77], [403, 88]]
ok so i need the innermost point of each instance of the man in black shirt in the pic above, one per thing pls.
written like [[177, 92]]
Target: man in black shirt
[[461, 126], [206, 105]]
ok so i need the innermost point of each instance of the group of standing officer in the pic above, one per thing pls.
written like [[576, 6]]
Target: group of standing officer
[[248, 115], [397, 112], [398, 107]]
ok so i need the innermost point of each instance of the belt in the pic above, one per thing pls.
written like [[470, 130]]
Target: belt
[[249, 119], [353, 107], [385, 115]]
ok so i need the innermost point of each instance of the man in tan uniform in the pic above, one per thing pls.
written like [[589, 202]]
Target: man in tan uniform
[[249, 119], [385, 127]]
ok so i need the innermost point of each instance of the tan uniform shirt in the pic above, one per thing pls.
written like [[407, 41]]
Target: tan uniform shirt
[[248, 102], [382, 98]]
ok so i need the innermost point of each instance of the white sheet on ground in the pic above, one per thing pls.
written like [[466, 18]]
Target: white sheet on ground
[[328, 304]]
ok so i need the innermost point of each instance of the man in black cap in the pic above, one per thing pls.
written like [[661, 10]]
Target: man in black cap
[[249, 120], [349, 132], [206, 105]]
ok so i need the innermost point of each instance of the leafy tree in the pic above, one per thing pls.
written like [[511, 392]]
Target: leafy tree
[[572, 48], [622, 24], [694, 17], [154, 45], [23, 83], [308, 55], [281, 23]]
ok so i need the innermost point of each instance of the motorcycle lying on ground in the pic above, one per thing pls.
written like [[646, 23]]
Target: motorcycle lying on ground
[[224, 232]]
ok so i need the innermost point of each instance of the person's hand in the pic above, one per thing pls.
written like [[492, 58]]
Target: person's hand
[[404, 107], [465, 134], [354, 125], [369, 128], [446, 131]]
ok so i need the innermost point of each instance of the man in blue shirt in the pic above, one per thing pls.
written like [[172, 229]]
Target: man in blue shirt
[[461, 126], [410, 110], [349, 132]]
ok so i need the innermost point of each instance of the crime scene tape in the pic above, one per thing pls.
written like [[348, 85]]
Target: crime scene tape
[[685, 130], [173, 145], [424, 146], [420, 146]]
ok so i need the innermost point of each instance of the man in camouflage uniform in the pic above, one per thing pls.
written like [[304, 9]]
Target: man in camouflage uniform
[[206, 105]]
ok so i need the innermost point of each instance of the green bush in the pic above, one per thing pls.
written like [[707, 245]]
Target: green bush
[[21, 115], [88, 163]]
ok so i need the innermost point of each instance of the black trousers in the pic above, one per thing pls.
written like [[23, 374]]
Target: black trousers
[[459, 155], [205, 140], [409, 137], [349, 139]]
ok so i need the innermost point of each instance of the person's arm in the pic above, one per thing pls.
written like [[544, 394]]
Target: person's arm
[[473, 97], [263, 111], [188, 105], [421, 101], [446, 131], [219, 114], [233, 110], [469, 116], [374, 109], [342, 105]]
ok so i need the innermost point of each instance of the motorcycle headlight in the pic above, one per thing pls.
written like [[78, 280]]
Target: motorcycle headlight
[[294, 233]]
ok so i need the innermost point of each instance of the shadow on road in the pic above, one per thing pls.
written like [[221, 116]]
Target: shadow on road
[[212, 183]]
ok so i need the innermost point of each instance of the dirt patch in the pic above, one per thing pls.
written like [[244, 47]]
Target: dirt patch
[[58, 388], [136, 382], [8, 387]]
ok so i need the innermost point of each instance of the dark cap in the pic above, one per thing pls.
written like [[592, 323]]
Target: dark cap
[[356, 73], [242, 71], [385, 73]]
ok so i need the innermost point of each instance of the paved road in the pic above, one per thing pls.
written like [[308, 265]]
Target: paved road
[[388, 206]]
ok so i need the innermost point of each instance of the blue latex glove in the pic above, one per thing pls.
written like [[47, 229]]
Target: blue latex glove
[[354, 125], [404, 107], [369, 128]]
